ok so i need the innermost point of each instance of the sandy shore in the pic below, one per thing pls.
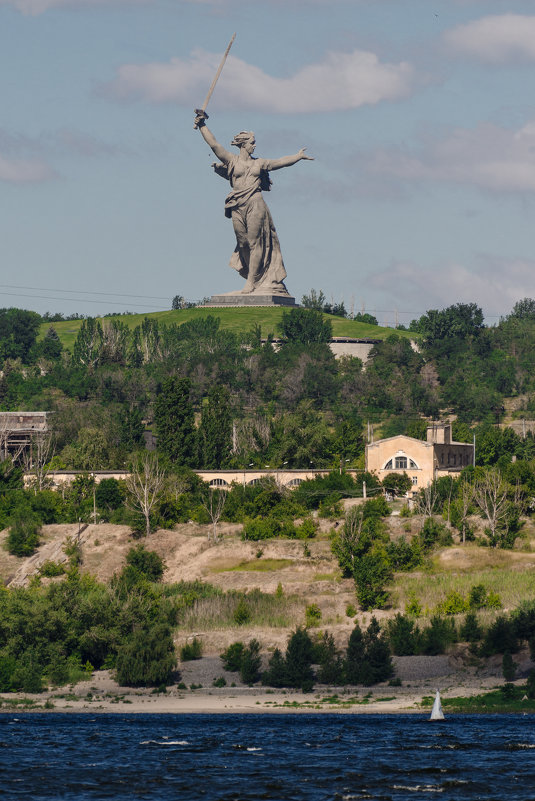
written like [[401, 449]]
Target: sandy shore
[[101, 694]]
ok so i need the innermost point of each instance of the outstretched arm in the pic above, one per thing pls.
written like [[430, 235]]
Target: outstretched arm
[[287, 161], [200, 122]]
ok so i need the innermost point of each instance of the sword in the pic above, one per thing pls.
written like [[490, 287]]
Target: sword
[[202, 109]]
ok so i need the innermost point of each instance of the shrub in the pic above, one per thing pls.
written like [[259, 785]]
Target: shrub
[[437, 636], [453, 604], [298, 660], [242, 613], [500, 637], [50, 569], [307, 530], [146, 563], [413, 606], [508, 667], [147, 659], [350, 610], [275, 675], [251, 663], [232, 656], [329, 659], [372, 571], [191, 650], [24, 531], [470, 630], [220, 682], [403, 635], [312, 615], [261, 529]]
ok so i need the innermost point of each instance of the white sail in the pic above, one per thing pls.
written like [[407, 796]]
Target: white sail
[[436, 712]]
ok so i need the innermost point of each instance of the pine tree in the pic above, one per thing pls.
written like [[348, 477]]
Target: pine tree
[[215, 431], [355, 656], [175, 422]]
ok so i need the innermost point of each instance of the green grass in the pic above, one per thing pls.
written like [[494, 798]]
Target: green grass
[[513, 586], [234, 319], [257, 566], [496, 701]]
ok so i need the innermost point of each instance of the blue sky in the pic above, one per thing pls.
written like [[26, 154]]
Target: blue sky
[[420, 115]]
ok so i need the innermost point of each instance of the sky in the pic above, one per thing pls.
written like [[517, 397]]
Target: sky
[[420, 116]]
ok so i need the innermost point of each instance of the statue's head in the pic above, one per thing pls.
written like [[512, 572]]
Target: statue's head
[[245, 139]]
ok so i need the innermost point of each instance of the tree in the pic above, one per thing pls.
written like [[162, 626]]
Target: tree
[[18, 333], [147, 658], [144, 485], [175, 422], [490, 494], [397, 483], [305, 326], [355, 656], [215, 431], [214, 503], [299, 655], [372, 572], [88, 345]]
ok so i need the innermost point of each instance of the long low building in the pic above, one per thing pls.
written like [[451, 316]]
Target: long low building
[[219, 479]]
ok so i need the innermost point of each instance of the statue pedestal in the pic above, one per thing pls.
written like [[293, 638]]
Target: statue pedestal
[[252, 299]]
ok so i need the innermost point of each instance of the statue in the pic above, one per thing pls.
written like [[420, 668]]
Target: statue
[[257, 256]]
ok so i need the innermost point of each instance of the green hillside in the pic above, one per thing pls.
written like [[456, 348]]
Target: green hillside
[[233, 319]]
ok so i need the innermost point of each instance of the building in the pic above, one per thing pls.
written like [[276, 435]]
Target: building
[[423, 461], [19, 432]]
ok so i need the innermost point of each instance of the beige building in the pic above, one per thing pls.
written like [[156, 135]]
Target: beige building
[[423, 461]]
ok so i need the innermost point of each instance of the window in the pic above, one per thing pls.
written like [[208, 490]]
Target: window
[[401, 462], [413, 465], [388, 465], [414, 480], [295, 482], [218, 482]]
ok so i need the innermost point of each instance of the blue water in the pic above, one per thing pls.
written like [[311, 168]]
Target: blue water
[[282, 757]]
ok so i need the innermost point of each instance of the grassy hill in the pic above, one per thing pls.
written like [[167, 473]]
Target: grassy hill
[[233, 319]]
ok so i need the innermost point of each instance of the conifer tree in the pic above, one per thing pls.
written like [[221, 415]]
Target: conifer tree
[[175, 422]]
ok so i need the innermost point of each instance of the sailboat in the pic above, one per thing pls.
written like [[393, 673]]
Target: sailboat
[[436, 712]]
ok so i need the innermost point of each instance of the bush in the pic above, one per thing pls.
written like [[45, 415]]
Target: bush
[[329, 659], [403, 635], [470, 630], [251, 662], [242, 613], [453, 604], [147, 659], [24, 531], [191, 650], [508, 667], [438, 636], [147, 564], [500, 637], [50, 569], [232, 656], [312, 615], [372, 572], [275, 675]]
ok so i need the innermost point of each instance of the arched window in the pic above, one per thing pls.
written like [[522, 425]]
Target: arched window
[[218, 482], [388, 465], [400, 462], [294, 482], [254, 481], [413, 465]]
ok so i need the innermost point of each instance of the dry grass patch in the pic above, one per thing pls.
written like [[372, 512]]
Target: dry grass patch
[[264, 610]]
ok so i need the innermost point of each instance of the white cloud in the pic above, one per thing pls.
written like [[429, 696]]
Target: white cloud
[[24, 171], [495, 39], [35, 7], [490, 157], [494, 284], [340, 81]]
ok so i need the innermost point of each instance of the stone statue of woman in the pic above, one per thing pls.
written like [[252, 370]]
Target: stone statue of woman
[[257, 256]]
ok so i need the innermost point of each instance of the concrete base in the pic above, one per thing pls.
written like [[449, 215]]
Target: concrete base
[[251, 299]]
